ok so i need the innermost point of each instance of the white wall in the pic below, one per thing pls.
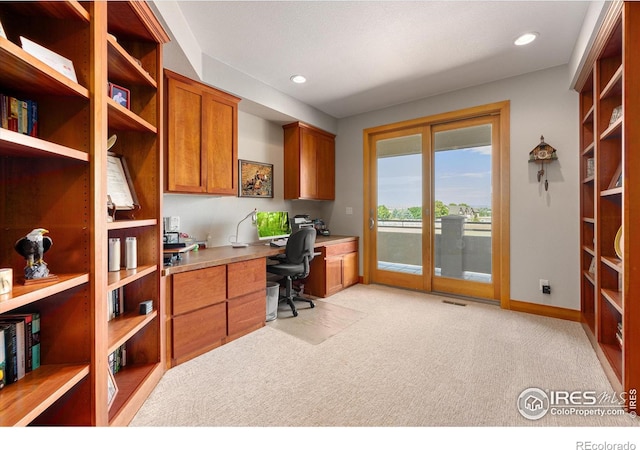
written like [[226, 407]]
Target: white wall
[[258, 140], [544, 225]]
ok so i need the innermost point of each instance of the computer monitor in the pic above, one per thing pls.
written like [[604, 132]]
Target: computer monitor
[[272, 225]]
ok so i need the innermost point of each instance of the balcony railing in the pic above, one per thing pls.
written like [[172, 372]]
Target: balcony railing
[[460, 246]]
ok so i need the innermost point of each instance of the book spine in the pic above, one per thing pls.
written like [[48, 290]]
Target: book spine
[[24, 116], [13, 114], [27, 319], [34, 119], [3, 370], [11, 357], [35, 350], [4, 107]]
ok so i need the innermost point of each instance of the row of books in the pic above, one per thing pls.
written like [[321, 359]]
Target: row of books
[[115, 303], [118, 359], [19, 346], [19, 115]]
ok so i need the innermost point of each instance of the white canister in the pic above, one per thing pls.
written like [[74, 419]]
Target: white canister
[[131, 253], [114, 254], [6, 281]]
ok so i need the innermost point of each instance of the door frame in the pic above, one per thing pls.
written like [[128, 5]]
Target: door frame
[[501, 171]]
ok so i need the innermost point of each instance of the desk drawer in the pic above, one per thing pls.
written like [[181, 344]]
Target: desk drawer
[[341, 249], [199, 331], [247, 311], [198, 288], [246, 277]]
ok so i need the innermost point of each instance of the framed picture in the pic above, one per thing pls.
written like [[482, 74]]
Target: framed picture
[[616, 114], [616, 180], [112, 388], [119, 94], [256, 179], [120, 190]]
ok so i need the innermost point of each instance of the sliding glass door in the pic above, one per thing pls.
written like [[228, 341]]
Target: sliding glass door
[[436, 191]]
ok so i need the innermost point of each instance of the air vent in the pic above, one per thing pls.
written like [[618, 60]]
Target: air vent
[[453, 303]]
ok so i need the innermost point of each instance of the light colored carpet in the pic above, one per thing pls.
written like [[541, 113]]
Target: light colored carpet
[[411, 360], [314, 325]]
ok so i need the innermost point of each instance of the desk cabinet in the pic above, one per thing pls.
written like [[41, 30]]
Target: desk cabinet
[[309, 163], [202, 138], [215, 305], [336, 268]]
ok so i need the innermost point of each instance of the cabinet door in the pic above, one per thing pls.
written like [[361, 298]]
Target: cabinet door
[[220, 144], [198, 288], [186, 163], [308, 164], [333, 267], [246, 313], [350, 272], [325, 163]]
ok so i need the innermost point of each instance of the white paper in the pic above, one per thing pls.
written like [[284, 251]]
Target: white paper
[[2, 33], [117, 186], [52, 59]]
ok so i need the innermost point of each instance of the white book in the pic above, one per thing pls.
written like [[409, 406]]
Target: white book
[[52, 59]]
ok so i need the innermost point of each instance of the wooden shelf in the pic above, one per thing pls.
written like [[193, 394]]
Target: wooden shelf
[[26, 73], [589, 277], [588, 150], [67, 10], [613, 131], [120, 118], [23, 295], [588, 117], [611, 192], [124, 327], [127, 224], [21, 145], [614, 86], [123, 277], [124, 69], [589, 250], [590, 220], [613, 262], [130, 381], [588, 180], [614, 298], [22, 402]]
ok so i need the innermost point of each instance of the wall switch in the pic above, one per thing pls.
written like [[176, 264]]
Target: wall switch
[[349, 210]]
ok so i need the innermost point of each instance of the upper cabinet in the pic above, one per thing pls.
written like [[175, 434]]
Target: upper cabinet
[[202, 138], [309, 163]]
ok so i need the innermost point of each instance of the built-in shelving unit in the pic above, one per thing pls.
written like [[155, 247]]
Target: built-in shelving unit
[[610, 161], [58, 181]]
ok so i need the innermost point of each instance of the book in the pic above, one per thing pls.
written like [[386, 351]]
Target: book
[[57, 62], [11, 357], [3, 372], [19, 344], [30, 337]]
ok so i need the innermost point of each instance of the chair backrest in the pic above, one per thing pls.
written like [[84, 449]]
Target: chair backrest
[[300, 246]]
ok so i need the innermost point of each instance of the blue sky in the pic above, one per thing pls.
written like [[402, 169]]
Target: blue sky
[[462, 176]]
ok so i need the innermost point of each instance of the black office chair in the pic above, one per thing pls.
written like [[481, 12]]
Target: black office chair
[[294, 264]]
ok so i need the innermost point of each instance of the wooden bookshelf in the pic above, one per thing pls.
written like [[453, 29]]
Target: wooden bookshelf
[[58, 180], [609, 80]]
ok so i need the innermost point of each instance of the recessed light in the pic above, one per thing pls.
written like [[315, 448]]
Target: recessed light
[[526, 38], [298, 79]]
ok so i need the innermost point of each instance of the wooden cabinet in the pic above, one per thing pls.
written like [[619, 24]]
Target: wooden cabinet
[[215, 305], [309, 163], [610, 160], [336, 268], [57, 180], [202, 138]]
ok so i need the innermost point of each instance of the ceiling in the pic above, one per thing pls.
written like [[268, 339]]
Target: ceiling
[[361, 56]]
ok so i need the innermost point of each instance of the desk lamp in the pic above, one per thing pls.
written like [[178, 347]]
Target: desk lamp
[[237, 244]]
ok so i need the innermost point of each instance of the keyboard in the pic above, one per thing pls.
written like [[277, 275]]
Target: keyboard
[[278, 243]]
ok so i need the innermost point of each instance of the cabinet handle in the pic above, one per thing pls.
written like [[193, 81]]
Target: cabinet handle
[[371, 223]]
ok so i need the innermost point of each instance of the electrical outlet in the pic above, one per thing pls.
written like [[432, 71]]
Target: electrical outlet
[[546, 289], [543, 283]]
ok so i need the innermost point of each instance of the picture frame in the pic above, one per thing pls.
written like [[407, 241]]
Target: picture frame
[[120, 95], [121, 193], [112, 388], [615, 114], [616, 180], [256, 179]]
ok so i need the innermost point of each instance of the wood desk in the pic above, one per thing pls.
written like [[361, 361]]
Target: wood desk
[[218, 294]]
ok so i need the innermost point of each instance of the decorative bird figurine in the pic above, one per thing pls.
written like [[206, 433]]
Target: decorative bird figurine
[[32, 248]]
